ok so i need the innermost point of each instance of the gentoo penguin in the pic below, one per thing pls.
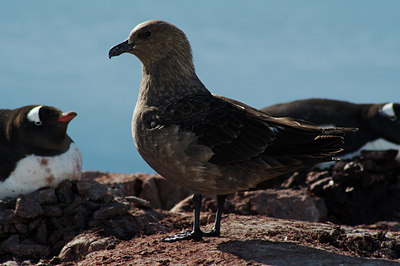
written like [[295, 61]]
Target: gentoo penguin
[[378, 124], [207, 143], [35, 150]]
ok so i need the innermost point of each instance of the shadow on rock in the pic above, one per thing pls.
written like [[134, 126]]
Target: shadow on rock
[[277, 253]]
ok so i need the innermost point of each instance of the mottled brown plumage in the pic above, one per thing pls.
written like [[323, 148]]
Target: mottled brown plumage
[[207, 143]]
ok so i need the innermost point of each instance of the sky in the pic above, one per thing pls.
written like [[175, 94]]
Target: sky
[[260, 52]]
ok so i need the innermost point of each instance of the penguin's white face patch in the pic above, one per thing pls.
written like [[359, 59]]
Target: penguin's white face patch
[[33, 115], [388, 110]]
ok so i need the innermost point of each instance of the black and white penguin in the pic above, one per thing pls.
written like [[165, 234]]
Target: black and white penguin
[[35, 150], [378, 124]]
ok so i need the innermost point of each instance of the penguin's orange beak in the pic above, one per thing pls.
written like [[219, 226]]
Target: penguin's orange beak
[[66, 117]]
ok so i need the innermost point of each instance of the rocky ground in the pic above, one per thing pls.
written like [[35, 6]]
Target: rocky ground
[[348, 213]]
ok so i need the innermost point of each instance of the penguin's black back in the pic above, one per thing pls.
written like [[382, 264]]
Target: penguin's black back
[[8, 156]]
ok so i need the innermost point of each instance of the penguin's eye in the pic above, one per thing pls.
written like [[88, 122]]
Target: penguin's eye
[[38, 123], [147, 33]]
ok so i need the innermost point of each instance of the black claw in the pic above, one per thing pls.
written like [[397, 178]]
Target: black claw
[[196, 234], [187, 235], [212, 233]]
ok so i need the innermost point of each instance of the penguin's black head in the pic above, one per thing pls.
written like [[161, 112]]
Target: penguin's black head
[[385, 120], [44, 128]]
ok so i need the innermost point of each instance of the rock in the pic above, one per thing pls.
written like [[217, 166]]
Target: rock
[[91, 205], [295, 180], [150, 193], [115, 208], [161, 193], [128, 184], [45, 196], [208, 205], [286, 204], [352, 168], [21, 228], [33, 224], [123, 227], [26, 247], [55, 237], [64, 192], [361, 191], [81, 217], [81, 245], [93, 190], [52, 210], [138, 202], [148, 220], [73, 206], [11, 263], [257, 240], [184, 205], [101, 244], [7, 216], [42, 222], [322, 184], [314, 176], [387, 155], [383, 225], [66, 221], [7, 229], [9, 244], [27, 207], [41, 234]]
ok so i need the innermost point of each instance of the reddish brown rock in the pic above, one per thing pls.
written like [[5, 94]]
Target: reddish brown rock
[[27, 207], [82, 244], [362, 191], [161, 193], [38, 225], [286, 204]]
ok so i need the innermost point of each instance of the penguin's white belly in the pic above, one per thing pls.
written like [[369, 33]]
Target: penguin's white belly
[[376, 145], [34, 172]]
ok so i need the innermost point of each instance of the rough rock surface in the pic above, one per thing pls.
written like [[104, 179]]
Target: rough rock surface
[[41, 224], [250, 240], [158, 191], [107, 218], [255, 240], [285, 203], [364, 190]]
